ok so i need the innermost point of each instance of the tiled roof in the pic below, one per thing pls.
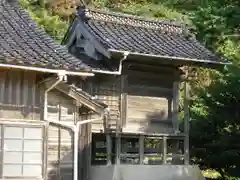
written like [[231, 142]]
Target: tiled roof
[[121, 32], [22, 42]]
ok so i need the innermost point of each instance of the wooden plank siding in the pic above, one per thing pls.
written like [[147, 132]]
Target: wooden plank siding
[[149, 99], [141, 99], [108, 91], [60, 140], [20, 97]]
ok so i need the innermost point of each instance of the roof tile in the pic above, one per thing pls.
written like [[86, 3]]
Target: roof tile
[[121, 32], [22, 42]]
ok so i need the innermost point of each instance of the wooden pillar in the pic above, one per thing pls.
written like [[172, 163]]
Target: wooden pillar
[[109, 149], [164, 150], [141, 149], [120, 122], [118, 142], [186, 123], [118, 148], [109, 141], [124, 85], [175, 118], [176, 100]]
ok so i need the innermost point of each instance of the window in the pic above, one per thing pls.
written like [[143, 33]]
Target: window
[[175, 151], [99, 149], [21, 149], [129, 150], [153, 151]]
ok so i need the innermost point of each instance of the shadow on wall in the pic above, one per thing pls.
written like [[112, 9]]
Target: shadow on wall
[[155, 122]]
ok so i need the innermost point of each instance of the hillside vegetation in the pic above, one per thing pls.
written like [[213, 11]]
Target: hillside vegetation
[[215, 111]]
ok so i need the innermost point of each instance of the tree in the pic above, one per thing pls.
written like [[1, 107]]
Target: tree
[[215, 128]]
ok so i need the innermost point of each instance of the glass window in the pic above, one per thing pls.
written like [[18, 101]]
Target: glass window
[[22, 151], [32, 145], [32, 157], [33, 133], [12, 170], [12, 157], [12, 144], [32, 170], [13, 132]]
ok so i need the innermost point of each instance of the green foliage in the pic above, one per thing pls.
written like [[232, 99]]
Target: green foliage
[[215, 128], [52, 24]]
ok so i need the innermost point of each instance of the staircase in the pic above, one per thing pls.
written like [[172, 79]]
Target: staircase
[[114, 116]]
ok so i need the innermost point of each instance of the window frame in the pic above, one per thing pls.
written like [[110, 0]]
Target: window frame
[[43, 152]]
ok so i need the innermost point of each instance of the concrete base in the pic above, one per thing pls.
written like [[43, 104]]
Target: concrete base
[[146, 172]]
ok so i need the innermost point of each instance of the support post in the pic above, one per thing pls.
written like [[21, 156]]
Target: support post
[[109, 149], [141, 149], [164, 150], [118, 148], [186, 123], [176, 99], [109, 142], [118, 141]]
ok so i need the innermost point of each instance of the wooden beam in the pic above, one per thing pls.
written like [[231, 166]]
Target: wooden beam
[[151, 75], [186, 123], [168, 68]]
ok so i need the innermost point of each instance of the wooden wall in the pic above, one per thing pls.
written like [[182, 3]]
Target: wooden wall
[[22, 98], [19, 95], [107, 89], [148, 103], [141, 99], [60, 140]]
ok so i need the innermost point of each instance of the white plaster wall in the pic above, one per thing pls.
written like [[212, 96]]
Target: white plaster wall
[[146, 172]]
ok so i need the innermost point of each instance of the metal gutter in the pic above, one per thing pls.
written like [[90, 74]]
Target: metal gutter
[[119, 71], [47, 70], [169, 57]]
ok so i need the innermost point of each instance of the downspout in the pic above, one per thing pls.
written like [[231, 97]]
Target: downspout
[[119, 71], [77, 130], [61, 76], [74, 128]]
